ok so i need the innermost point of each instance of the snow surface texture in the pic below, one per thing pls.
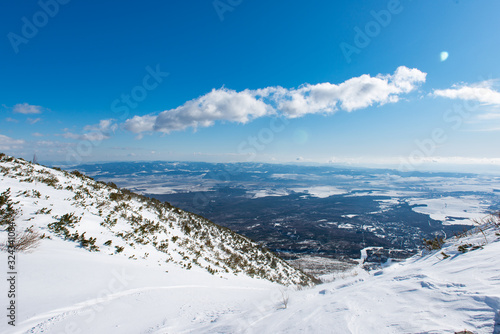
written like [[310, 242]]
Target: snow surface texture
[[67, 289]]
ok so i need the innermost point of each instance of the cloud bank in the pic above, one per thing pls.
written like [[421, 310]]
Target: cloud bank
[[225, 105]]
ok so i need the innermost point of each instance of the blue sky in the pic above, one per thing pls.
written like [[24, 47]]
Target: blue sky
[[401, 83]]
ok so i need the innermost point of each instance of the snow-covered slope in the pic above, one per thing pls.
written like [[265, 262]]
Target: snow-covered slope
[[102, 218], [450, 290], [70, 290], [65, 288]]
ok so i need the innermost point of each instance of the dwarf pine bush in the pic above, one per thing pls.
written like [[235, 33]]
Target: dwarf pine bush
[[60, 227], [8, 212], [434, 244]]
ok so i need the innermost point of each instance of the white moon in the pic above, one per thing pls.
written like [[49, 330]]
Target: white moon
[[444, 55]]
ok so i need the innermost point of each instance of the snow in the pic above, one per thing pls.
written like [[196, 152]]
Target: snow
[[346, 225], [320, 191], [133, 226], [63, 288], [69, 290], [386, 204], [269, 192], [447, 208]]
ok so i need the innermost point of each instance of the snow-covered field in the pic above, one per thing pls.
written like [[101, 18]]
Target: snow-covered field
[[320, 191], [447, 209], [269, 192]]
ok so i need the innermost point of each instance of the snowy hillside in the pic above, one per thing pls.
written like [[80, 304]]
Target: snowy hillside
[[454, 289], [63, 287], [102, 218]]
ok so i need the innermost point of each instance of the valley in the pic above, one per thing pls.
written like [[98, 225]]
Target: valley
[[331, 212]]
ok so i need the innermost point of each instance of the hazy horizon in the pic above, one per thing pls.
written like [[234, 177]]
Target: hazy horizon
[[390, 83]]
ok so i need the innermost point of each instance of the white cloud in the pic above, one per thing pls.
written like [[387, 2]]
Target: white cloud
[[94, 133], [33, 120], [218, 105], [37, 134], [486, 129], [7, 143], [356, 93], [53, 144], [489, 116], [482, 92], [70, 135], [8, 119], [91, 136], [139, 124], [47, 143], [105, 125], [242, 107], [25, 108], [95, 136]]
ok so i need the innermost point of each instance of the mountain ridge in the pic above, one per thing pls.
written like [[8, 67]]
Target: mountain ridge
[[102, 217]]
